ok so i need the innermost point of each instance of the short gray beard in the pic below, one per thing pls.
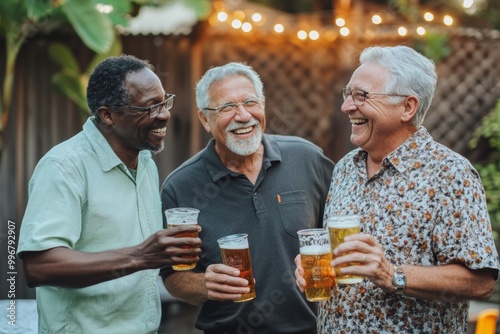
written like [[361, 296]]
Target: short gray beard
[[155, 149], [244, 147]]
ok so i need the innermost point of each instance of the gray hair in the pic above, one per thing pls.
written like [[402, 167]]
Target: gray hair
[[411, 74], [219, 73]]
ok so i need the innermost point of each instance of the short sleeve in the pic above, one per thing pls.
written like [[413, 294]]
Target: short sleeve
[[53, 214]]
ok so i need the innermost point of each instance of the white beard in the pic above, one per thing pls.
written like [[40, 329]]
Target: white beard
[[244, 147]]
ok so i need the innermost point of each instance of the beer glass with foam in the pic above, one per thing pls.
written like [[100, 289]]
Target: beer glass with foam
[[236, 253], [183, 216], [339, 227], [315, 256]]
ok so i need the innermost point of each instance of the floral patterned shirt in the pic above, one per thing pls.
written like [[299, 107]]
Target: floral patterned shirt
[[426, 207]]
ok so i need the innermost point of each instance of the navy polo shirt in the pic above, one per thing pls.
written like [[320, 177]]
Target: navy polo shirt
[[288, 196]]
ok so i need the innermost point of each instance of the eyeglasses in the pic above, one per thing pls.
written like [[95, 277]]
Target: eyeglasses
[[252, 104], [359, 96], [155, 109]]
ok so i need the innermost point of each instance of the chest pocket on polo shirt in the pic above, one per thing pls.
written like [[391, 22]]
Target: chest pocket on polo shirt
[[296, 211]]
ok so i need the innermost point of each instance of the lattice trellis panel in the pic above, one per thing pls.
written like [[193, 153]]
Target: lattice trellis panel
[[302, 83], [468, 88], [297, 81]]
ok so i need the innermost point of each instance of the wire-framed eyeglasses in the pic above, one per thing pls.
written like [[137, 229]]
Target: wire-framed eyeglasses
[[251, 104], [359, 96], [154, 110]]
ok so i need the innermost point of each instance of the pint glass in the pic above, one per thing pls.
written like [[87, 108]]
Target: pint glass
[[339, 227], [236, 253], [183, 216], [316, 260]]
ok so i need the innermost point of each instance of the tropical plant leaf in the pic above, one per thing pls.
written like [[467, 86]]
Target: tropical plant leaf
[[202, 8], [119, 14], [70, 85], [62, 55], [115, 50], [12, 10], [39, 8], [98, 35]]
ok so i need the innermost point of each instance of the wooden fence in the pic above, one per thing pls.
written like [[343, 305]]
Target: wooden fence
[[302, 83]]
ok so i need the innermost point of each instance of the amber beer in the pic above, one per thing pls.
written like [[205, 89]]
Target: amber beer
[[181, 217], [316, 260], [339, 227], [236, 253]]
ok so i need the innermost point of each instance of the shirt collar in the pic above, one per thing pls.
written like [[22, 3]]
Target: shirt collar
[[217, 170], [403, 157], [107, 157]]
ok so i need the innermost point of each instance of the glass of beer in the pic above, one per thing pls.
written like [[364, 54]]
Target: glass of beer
[[236, 253], [339, 227], [183, 216], [316, 260]]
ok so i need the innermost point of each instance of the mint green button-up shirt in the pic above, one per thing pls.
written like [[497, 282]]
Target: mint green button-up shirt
[[82, 196]]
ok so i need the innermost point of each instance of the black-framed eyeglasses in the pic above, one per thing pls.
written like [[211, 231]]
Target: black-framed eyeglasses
[[359, 96], [154, 110], [251, 105]]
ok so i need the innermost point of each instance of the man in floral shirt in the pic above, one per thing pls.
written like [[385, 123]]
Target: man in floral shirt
[[426, 246]]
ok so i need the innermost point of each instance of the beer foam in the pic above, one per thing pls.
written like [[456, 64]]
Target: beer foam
[[315, 249], [347, 223], [234, 245]]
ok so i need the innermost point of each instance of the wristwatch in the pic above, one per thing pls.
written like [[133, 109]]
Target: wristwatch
[[399, 280]]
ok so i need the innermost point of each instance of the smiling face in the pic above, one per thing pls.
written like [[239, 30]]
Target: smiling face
[[377, 126], [130, 131], [238, 133]]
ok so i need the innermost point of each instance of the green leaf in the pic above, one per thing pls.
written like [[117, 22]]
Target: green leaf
[[62, 55], [202, 8], [12, 11], [114, 50], [120, 13], [94, 28], [70, 85], [39, 8]]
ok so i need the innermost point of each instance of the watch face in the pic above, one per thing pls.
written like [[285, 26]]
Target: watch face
[[400, 280]]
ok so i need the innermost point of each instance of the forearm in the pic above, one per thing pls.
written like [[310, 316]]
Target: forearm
[[187, 286], [448, 283], [73, 269]]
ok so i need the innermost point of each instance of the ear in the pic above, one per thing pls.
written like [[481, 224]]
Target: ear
[[411, 107], [105, 115], [204, 120]]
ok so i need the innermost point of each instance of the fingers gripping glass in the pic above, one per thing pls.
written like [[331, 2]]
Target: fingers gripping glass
[[154, 110], [250, 105], [359, 96]]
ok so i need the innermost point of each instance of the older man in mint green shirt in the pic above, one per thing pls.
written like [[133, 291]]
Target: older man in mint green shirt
[[91, 203], [91, 239]]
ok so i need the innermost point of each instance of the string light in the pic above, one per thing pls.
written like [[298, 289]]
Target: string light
[[256, 17], [344, 31], [448, 20], [248, 21], [222, 16], [402, 31], [246, 27], [314, 35], [467, 4], [236, 24], [376, 19]]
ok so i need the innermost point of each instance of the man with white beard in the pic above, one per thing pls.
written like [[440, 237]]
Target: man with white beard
[[245, 181]]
